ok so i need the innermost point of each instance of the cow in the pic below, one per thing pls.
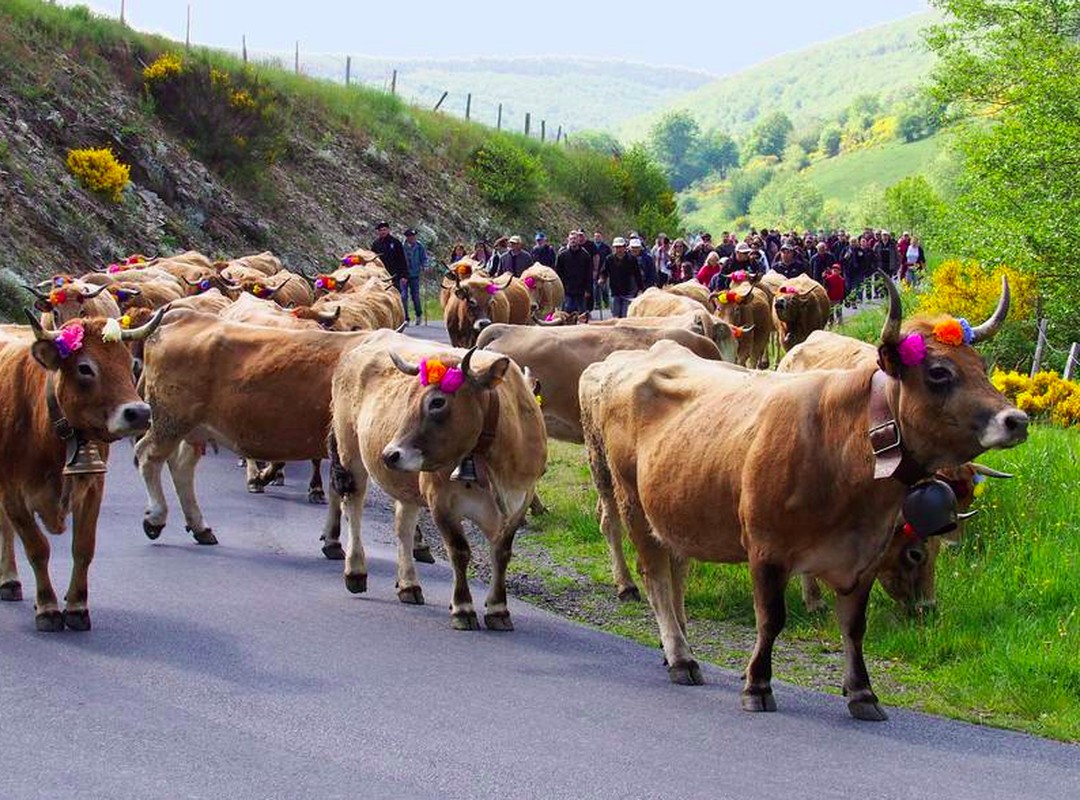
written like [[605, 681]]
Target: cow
[[463, 269], [474, 303], [856, 445], [693, 290], [265, 263], [545, 289], [285, 289], [906, 570], [147, 294], [654, 305], [801, 307], [262, 392], [520, 301], [67, 394], [72, 298], [405, 413], [746, 305], [364, 308]]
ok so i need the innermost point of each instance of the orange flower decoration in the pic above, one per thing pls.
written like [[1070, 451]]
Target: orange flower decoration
[[436, 371], [949, 331]]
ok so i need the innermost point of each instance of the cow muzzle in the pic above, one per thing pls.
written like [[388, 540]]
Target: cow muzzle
[[480, 324], [128, 419], [402, 459], [1008, 428]]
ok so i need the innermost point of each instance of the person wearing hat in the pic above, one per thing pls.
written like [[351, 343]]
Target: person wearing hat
[[416, 259], [515, 260], [392, 252], [501, 247], [789, 264], [543, 253], [622, 273], [574, 267], [645, 261]]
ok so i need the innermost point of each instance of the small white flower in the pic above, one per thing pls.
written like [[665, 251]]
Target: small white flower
[[112, 331]]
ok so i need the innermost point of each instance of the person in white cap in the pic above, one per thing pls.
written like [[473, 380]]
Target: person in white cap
[[645, 262], [622, 273], [515, 260]]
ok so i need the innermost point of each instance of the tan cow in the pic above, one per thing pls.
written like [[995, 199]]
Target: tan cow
[[64, 391], [747, 305], [693, 290], [364, 308], [265, 263], [402, 417], [546, 292], [147, 294], [463, 269], [684, 312], [826, 507], [262, 392], [801, 307], [70, 298], [474, 304], [285, 289]]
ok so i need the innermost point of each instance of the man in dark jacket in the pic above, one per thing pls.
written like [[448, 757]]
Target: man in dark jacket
[[392, 253], [543, 253], [645, 261], [574, 266], [820, 262], [515, 260], [622, 273], [888, 257], [701, 250], [789, 264]]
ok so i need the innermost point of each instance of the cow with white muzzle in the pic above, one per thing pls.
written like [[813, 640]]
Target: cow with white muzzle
[[473, 304]]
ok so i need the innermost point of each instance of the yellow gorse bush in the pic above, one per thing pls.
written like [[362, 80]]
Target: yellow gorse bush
[[1046, 395], [968, 289], [242, 99], [99, 171], [163, 67]]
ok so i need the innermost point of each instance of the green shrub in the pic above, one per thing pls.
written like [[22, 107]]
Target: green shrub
[[13, 297], [506, 175]]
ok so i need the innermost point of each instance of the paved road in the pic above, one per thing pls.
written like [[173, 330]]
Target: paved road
[[247, 671]]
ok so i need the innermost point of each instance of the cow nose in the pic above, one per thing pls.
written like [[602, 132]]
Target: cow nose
[[1016, 422], [130, 418], [480, 324], [391, 458]]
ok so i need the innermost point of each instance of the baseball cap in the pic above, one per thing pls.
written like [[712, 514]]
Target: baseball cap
[[410, 232], [635, 242], [618, 241], [381, 225], [540, 235], [742, 247], [515, 239]]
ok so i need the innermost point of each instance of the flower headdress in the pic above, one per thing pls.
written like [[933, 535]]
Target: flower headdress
[[433, 372], [530, 281], [70, 339], [954, 332]]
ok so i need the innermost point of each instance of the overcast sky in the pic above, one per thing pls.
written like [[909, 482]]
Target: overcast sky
[[719, 37]]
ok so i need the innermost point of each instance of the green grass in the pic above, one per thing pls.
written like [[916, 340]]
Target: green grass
[[1002, 648], [846, 176]]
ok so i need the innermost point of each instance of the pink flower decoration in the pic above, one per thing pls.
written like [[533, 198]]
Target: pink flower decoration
[[70, 340], [549, 317], [530, 281], [788, 290], [738, 276], [114, 268], [492, 288], [912, 350], [453, 380]]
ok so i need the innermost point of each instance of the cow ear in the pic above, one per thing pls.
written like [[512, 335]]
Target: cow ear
[[461, 293], [493, 375], [889, 360], [44, 306], [45, 353]]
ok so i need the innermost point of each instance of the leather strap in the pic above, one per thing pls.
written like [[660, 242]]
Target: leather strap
[[891, 458], [491, 424]]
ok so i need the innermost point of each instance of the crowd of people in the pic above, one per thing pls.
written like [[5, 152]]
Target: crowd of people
[[596, 274]]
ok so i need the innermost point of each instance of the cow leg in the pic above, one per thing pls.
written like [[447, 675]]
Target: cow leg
[[851, 615], [331, 535], [769, 610], [679, 568], [150, 455], [811, 594], [36, 546], [353, 505], [83, 541], [610, 524], [408, 584], [462, 614], [276, 474], [497, 613], [255, 481], [537, 507], [10, 587], [654, 563], [315, 493], [421, 549], [182, 468]]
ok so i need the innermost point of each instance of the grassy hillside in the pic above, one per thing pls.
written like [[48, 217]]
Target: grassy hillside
[[605, 93], [819, 81]]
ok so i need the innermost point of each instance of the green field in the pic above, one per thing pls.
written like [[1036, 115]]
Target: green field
[[845, 177]]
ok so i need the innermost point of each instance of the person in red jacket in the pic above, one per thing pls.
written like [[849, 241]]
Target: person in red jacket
[[710, 268], [834, 288]]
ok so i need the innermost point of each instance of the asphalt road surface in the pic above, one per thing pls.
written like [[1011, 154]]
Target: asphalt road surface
[[247, 671]]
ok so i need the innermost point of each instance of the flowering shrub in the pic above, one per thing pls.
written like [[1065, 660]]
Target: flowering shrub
[[99, 171], [968, 289], [163, 68], [1046, 395]]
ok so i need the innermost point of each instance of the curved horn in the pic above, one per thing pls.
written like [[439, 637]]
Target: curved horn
[[134, 291], [989, 472], [303, 274], [228, 282], [986, 331], [962, 515], [40, 333], [328, 318], [40, 295], [401, 328], [890, 331], [342, 281], [135, 334], [509, 277], [466, 361], [92, 293], [402, 364]]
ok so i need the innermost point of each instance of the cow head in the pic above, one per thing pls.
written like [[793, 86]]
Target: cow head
[[127, 295], [907, 568], [727, 337], [323, 313], [208, 280], [947, 409], [92, 374], [444, 419], [66, 298], [324, 284], [260, 288], [799, 312], [476, 303]]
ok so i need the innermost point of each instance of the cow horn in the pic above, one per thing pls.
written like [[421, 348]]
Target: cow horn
[[92, 293], [466, 361], [40, 295], [228, 282], [343, 281], [509, 277], [403, 365], [401, 328], [303, 274], [745, 329], [40, 333], [134, 291], [986, 331], [190, 282], [962, 515], [890, 331], [135, 334], [989, 472], [546, 323], [326, 318]]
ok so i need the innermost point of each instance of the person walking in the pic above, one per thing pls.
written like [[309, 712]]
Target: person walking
[[574, 266], [416, 261], [622, 273], [662, 259], [543, 253], [914, 261], [645, 262], [515, 260], [392, 252]]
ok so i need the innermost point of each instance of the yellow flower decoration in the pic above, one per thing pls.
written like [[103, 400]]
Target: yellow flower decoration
[[949, 331], [125, 321]]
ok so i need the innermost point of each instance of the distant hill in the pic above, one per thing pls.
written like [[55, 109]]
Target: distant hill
[[818, 81], [578, 94]]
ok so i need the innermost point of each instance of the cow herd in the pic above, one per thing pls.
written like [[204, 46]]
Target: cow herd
[[843, 466]]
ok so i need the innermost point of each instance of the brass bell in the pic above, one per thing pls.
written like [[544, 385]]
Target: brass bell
[[86, 461], [465, 472]]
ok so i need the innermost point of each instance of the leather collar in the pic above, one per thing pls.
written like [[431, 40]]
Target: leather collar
[[891, 458], [68, 435]]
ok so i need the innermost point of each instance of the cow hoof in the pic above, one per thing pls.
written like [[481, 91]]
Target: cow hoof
[[357, 584], [77, 620], [255, 487], [758, 701], [412, 596], [11, 592], [205, 536], [630, 595], [333, 551], [686, 673], [465, 622], [316, 497], [151, 530], [498, 622], [423, 555], [278, 480], [49, 621], [867, 710]]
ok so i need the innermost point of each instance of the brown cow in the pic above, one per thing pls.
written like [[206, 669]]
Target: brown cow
[[285, 289], [408, 435], [64, 391], [801, 307], [474, 303], [517, 295], [460, 270], [265, 263], [546, 292], [147, 294], [684, 312], [826, 508], [236, 390], [71, 298], [746, 304]]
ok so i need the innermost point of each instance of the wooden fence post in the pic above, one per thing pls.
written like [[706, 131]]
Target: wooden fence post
[[243, 47], [543, 130], [1071, 362], [348, 70], [1039, 344], [527, 117], [468, 105], [498, 120], [558, 135], [393, 84], [187, 35], [123, 8], [296, 58], [444, 94]]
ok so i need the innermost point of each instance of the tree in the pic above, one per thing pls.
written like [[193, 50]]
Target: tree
[[599, 141], [789, 201], [829, 144], [715, 152], [770, 136], [743, 187], [912, 205], [673, 140]]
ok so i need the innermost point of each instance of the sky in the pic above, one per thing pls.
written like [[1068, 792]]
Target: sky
[[717, 37]]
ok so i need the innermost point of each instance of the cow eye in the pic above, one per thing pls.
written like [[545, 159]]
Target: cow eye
[[437, 403], [939, 375], [86, 371], [472, 303]]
